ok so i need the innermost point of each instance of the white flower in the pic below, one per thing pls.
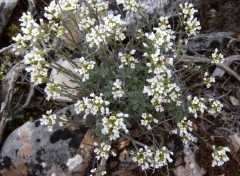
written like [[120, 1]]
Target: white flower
[[117, 89], [127, 59], [217, 58], [144, 158], [110, 27], [162, 90], [161, 157], [37, 65], [129, 5], [163, 36], [98, 6], [147, 120], [32, 32], [50, 120], [86, 23], [184, 131], [55, 10], [147, 159], [84, 68], [113, 125], [94, 104], [216, 106], [219, 155], [102, 150], [191, 24], [208, 80], [98, 172], [38, 76], [197, 106], [52, 90]]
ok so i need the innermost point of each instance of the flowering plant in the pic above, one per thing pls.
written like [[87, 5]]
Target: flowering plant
[[126, 81]]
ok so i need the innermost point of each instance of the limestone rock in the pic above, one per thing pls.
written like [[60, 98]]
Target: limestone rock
[[190, 167], [32, 150], [208, 42], [63, 79], [6, 9]]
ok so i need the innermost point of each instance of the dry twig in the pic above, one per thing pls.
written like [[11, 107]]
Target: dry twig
[[8, 86]]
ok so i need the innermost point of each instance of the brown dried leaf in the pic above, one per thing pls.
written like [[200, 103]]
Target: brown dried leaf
[[122, 143]]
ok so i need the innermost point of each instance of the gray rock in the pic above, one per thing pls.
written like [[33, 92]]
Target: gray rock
[[190, 166], [6, 9], [208, 42], [31, 149]]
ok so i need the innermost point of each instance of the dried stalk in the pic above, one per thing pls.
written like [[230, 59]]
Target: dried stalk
[[230, 71], [221, 68], [195, 59], [6, 48], [7, 91], [29, 97]]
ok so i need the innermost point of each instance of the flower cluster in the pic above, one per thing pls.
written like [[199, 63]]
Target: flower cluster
[[184, 131], [92, 105], [102, 151], [196, 105], [191, 24], [52, 90], [147, 159], [97, 172], [162, 90], [83, 68], [208, 80], [113, 125], [158, 63], [219, 155], [51, 120], [117, 89], [129, 5], [54, 10], [38, 67], [31, 33], [216, 106], [127, 59], [58, 29], [147, 119], [99, 6], [217, 57], [163, 36], [161, 156], [86, 23], [111, 27], [143, 157]]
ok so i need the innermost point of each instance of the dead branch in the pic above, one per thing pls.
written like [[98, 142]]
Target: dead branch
[[220, 69], [230, 71], [6, 48], [29, 97], [195, 59], [8, 86]]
